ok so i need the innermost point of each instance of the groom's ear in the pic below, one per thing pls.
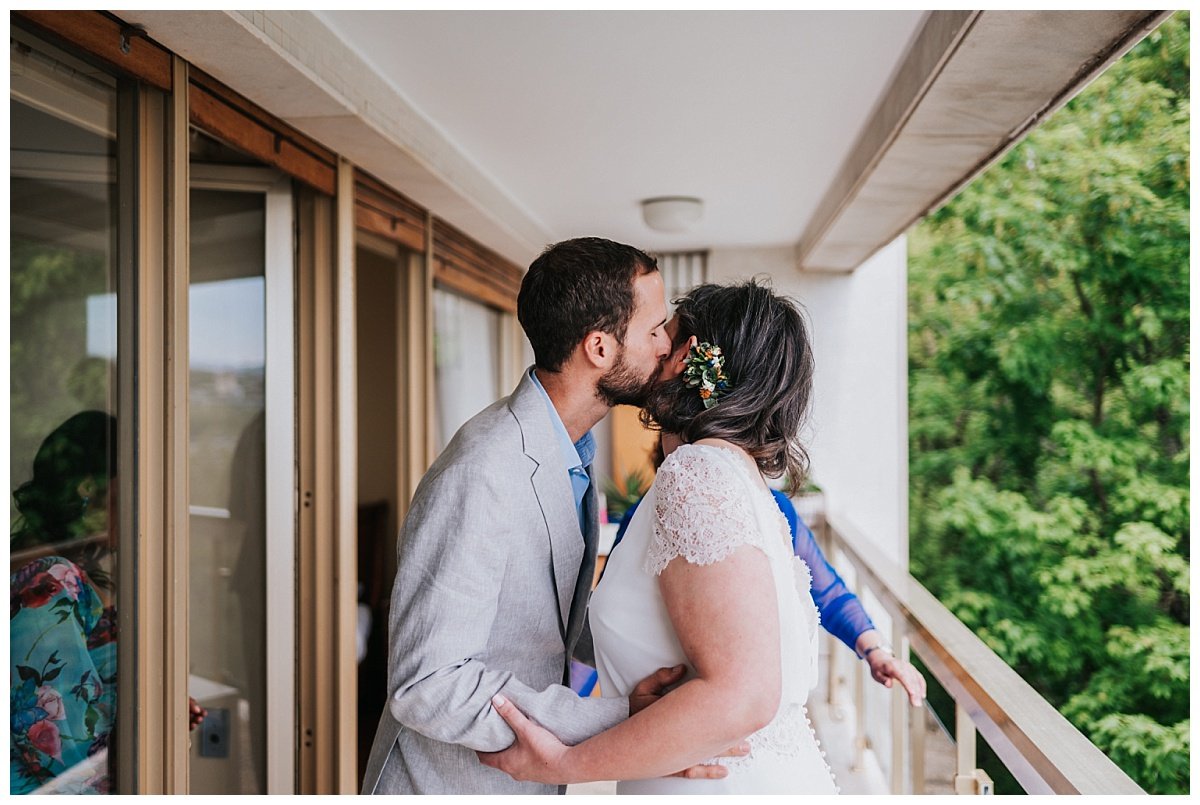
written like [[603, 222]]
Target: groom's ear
[[599, 349]]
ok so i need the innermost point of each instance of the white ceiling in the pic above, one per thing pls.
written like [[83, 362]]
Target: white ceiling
[[579, 115]]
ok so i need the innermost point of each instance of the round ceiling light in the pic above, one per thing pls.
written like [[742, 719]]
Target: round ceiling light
[[672, 213]]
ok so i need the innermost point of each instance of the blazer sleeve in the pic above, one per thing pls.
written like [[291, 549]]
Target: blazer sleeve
[[444, 609]]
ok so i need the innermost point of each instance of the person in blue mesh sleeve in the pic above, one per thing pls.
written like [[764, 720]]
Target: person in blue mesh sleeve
[[842, 614]]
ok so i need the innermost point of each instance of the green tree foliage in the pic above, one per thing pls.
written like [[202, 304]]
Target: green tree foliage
[[1049, 363], [50, 377]]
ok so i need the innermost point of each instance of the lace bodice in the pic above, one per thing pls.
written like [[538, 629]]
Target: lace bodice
[[703, 511], [704, 504], [707, 504]]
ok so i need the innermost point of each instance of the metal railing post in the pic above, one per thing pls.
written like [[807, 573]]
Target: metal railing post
[[964, 739], [916, 738], [899, 716], [832, 696], [861, 741], [970, 779]]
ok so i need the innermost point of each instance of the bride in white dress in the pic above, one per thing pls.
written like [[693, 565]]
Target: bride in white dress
[[705, 575]]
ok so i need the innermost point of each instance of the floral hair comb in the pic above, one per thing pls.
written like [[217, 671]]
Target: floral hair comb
[[706, 370]]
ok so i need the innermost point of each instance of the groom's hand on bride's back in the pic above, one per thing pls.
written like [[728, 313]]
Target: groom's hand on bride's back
[[659, 684]]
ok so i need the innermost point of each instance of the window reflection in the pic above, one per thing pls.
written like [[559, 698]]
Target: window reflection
[[63, 425], [227, 456]]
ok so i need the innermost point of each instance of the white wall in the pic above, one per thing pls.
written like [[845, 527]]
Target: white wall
[[858, 440]]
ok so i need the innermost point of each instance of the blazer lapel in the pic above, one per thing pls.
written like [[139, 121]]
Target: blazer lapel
[[552, 487]]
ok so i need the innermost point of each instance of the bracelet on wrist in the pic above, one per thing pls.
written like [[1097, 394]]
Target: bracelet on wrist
[[877, 647]]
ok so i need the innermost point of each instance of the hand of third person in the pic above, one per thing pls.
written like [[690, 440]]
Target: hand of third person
[[886, 668]]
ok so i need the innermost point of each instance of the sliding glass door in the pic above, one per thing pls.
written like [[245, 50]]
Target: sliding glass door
[[242, 477]]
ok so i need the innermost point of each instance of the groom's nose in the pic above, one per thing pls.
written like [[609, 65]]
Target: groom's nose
[[662, 346], [664, 368]]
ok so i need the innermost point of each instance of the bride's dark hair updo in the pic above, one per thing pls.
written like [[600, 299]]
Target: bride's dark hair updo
[[769, 363]]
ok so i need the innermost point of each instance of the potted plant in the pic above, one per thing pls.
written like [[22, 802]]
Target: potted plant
[[621, 495], [810, 504]]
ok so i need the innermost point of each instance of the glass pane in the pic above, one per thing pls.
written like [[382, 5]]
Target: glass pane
[[63, 426], [227, 612], [466, 343]]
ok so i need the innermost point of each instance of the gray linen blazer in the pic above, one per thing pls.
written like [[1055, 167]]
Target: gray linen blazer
[[490, 596]]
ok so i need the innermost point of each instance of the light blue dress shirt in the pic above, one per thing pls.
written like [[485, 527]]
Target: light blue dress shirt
[[576, 456]]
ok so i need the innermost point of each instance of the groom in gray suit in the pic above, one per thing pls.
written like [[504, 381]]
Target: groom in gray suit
[[498, 550]]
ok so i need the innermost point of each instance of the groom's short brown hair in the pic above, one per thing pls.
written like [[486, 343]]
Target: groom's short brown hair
[[576, 287]]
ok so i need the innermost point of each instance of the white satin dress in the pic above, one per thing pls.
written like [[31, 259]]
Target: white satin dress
[[704, 503]]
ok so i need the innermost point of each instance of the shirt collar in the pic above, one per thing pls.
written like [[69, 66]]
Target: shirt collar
[[578, 454]]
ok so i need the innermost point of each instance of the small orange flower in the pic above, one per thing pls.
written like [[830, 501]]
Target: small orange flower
[[705, 394]]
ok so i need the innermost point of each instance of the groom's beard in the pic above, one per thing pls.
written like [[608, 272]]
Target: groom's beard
[[621, 385]]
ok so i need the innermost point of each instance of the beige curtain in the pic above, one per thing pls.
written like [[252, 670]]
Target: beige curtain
[[466, 339]]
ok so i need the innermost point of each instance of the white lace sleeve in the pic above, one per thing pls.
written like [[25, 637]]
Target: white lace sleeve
[[702, 509]]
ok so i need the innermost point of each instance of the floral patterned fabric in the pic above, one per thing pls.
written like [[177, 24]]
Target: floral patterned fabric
[[62, 677]]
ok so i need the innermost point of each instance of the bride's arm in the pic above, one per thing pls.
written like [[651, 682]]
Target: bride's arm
[[726, 619]]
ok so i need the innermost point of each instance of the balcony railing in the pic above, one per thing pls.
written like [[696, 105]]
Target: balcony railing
[[1043, 751]]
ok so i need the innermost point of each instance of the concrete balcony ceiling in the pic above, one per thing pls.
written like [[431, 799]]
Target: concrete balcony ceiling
[[828, 132]]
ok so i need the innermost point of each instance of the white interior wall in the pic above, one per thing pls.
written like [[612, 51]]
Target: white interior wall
[[858, 440]]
